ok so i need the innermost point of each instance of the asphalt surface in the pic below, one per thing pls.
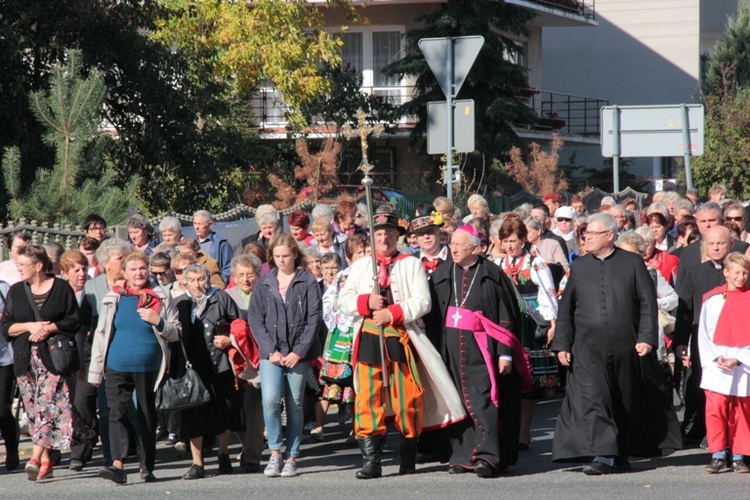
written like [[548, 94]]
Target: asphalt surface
[[327, 472]]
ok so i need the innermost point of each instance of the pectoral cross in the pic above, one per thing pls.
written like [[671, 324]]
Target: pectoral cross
[[456, 318], [362, 130]]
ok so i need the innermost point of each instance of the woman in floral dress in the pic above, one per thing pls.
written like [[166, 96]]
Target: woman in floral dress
[[536, 291], [336, 373]]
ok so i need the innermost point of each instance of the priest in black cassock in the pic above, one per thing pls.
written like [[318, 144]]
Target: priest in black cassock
[[615, 404], [717, 242], [486, 362]]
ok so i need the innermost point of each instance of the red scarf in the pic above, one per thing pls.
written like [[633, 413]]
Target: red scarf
[[731, 329], [513, 271], [430, 265], [384, 278], [147, 298]]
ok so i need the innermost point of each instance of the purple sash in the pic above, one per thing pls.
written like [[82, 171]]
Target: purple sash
[[482, 327]]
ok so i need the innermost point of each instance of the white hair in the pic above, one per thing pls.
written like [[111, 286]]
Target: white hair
[[203, 214]]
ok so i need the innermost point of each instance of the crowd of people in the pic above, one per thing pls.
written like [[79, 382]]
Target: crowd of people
[[451, 327]]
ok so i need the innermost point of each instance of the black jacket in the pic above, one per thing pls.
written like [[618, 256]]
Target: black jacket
[[290, 326]]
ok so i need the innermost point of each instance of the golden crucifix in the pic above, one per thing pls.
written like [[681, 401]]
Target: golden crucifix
[[363, 129]]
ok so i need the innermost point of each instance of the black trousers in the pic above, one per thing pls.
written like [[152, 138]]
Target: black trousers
[[252, 404], [85, 402], [120, 387], [8, 425]]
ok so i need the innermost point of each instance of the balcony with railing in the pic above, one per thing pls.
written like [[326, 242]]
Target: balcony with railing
[[560, 12], [566, 114]]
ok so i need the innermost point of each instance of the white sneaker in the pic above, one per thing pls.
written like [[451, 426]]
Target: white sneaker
[[290, 469], [273, 469]]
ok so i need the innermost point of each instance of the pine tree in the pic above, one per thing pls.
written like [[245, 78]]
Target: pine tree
[[493, 82], [732, 51], [71, 113]]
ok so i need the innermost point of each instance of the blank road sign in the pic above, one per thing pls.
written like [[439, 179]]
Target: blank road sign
[[652, 130], [463, 127]]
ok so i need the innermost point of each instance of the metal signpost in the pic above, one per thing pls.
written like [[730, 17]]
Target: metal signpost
[[450, 60], [638, 131]]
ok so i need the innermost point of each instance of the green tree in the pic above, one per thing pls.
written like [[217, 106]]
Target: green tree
[[726, 97], [71, 113], [732, 51], [493, 83], [241, 42]]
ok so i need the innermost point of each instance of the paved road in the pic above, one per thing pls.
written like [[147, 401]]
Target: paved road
[[327, 472]]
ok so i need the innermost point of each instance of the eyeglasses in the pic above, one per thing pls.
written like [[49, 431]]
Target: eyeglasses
[[180, 271], [563, 219], [735, 219], [96, 228], [595, 233]]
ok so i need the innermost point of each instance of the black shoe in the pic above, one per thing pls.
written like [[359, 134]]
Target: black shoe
[[171, 439], [12, 462], [740, 467], [371, 452], [483, 469], [161, 433], [252, 468], [623, 464], [598, 469], [148, 476], [113, 474], [75, 465], [225, 464], [195, 472], [716, 465], [457, 469]]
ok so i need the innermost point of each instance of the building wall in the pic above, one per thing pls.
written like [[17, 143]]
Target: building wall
[[643, 52]]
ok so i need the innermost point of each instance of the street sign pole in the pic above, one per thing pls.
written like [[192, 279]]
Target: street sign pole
[[450, 60], [616, 151], [448, 173], [686, 142]]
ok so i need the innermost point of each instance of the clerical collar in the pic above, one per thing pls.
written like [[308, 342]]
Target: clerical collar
[[466, 268], [604, 257], [717, 265]]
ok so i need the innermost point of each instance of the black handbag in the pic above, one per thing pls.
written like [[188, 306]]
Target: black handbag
[[62, 348], [542, 325], [182, 393]]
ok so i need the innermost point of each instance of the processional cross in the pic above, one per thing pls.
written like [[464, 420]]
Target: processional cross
[[363, 129]]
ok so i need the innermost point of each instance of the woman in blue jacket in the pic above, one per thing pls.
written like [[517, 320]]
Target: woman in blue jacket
[[285, 310]]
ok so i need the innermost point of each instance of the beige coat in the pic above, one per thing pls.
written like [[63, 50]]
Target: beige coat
[[441, 401], [103, 334]]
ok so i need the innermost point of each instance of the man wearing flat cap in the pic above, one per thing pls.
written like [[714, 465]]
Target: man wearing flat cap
[[420, 393]]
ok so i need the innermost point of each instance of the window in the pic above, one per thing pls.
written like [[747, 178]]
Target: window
[[369, 50]]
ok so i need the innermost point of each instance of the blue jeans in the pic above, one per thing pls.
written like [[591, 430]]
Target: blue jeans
[[274, 379]]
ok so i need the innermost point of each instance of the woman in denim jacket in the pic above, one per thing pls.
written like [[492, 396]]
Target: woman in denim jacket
[[285, 311]]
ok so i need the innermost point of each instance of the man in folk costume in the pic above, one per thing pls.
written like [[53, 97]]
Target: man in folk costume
[[724, 343], [484, 358], [615, 403], [426, 224], [420, 393]]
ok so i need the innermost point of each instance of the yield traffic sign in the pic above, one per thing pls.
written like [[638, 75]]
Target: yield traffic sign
[[456, 53]]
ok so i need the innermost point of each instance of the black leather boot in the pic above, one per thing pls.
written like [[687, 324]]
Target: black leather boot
[[408, 454], [371, 452]]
